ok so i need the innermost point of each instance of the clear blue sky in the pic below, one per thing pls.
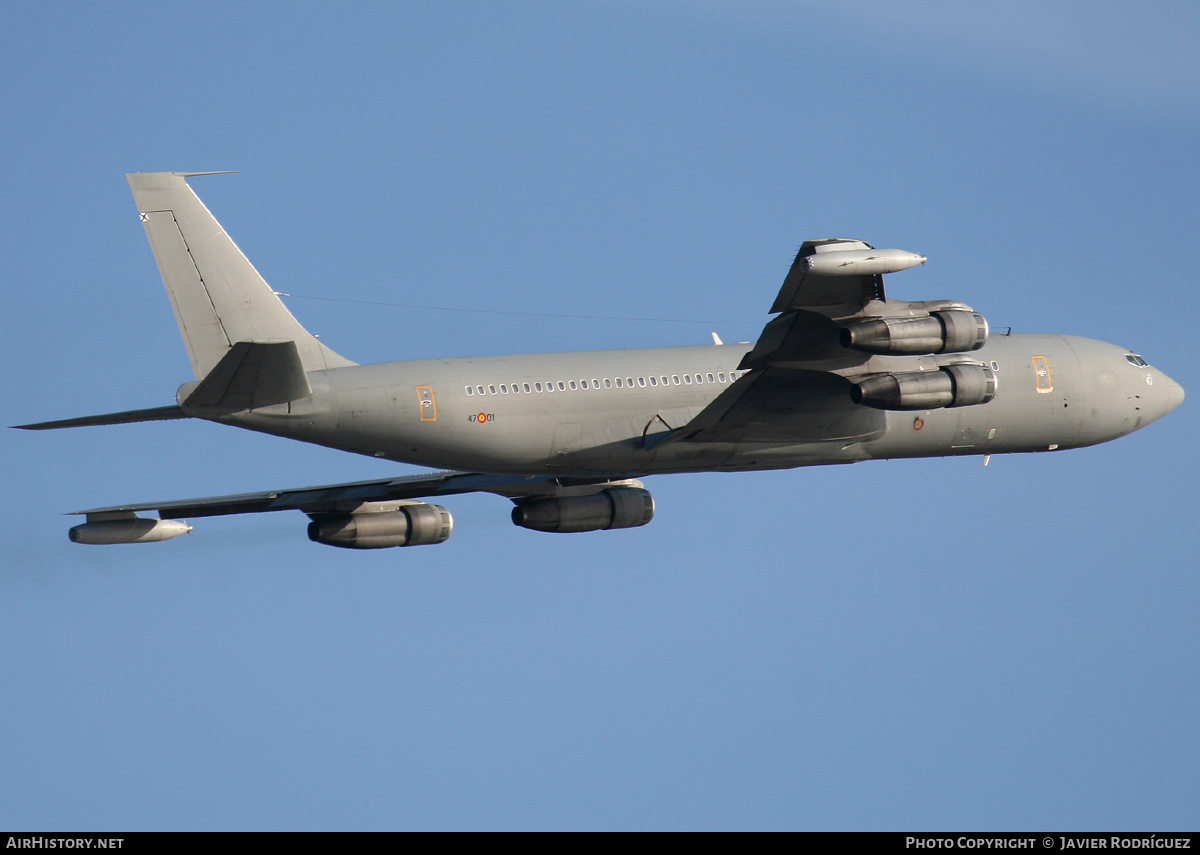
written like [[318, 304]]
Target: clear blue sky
[[892, 645]]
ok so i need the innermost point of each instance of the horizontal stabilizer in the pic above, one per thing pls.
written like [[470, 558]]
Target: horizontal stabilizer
[[154, 414], [252, 374]]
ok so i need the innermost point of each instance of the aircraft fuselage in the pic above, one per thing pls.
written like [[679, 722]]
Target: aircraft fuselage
[[596, 413]]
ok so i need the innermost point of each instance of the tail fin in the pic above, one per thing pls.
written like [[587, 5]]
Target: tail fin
[[218, 297]]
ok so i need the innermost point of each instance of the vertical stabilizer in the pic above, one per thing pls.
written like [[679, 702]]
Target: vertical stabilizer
[[218, 297]]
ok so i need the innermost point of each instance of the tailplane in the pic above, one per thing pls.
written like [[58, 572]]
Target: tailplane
[[252, 374], [218, 297]]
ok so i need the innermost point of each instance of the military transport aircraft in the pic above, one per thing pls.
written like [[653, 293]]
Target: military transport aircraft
[[841, 374]]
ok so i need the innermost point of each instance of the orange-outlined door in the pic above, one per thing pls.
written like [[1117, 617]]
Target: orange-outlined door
[[1041, 374], [428, 403]]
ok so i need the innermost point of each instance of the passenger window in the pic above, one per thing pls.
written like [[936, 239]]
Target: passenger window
[[642, 381], [710, 377], [526, 387], [561, 387], [653, 381], [608, 383], [479, 389], [721, 376], [537, 387], [572, 385], [618, 382], [492, 389], [470, 391]]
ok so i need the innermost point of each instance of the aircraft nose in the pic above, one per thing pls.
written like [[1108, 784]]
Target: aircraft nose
[[1174, 393]]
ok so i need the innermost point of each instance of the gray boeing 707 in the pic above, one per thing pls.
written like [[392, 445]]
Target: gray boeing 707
[[841, 374]]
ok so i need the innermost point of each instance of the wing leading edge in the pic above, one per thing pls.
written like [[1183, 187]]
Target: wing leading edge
[[351, 496]]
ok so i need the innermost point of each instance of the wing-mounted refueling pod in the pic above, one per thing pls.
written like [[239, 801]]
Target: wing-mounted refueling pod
[[859, 262], [126, 527]]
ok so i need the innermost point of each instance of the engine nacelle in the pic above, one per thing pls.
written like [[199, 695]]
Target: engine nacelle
[[127, 529], [619, 507], [412, 525], [939, 332], [949, 386]]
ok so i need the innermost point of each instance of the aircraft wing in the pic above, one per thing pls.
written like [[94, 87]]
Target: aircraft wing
[[809, 285], [347, 497], [794, 391], [784, 406]]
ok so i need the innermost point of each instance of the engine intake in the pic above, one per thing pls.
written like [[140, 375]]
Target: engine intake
[[950, 386], [412, 525], [951, 331], [620, 507]]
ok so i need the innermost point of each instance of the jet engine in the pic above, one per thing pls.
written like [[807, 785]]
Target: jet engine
[[417, 524], [619, 507], [949, 386], [951, 331]]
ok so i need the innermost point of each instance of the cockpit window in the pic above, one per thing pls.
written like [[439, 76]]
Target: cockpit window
[[1134, 359]]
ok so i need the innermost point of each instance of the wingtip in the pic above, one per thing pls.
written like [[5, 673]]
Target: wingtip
[[184, 174]]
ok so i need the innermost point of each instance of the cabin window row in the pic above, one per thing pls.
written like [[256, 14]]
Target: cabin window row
[[608, 383]]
